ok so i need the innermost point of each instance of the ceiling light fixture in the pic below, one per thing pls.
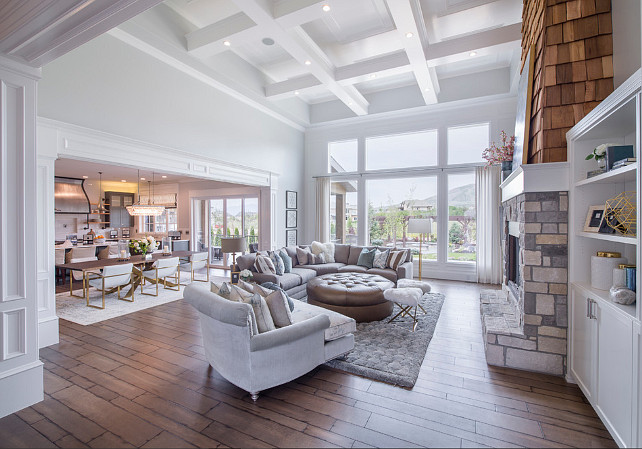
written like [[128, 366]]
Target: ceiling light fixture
[[164, 176], [326, 8], [227, 43], [150, 208], [123, 180], [142, 179], [85, 177], [409, 35], [373, 76], [296, 92], [308, 62], [473, 54]]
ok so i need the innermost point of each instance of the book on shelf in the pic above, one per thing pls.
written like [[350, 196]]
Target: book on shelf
[[595, 173], [617, 153], [623, 163]]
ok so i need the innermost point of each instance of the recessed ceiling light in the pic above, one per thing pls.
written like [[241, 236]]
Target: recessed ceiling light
[[227, 43], [373, 76], [164, 176], [473, 54], [427, 89], [296, 92], [123, 180], [350, 104], [409, 35], [85, 177], [142, 179], [326, 8], [308, 62]]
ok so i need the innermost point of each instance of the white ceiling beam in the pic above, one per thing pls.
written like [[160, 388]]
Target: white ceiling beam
[[380, 66], [285, 88], [490, 38], [290, 13], [208, 41], [299, 45], [406, 22]]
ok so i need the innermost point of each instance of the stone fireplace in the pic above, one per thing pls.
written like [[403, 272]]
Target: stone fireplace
[[525, 323]]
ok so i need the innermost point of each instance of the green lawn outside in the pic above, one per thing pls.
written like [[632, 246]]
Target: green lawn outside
[[462, 257]]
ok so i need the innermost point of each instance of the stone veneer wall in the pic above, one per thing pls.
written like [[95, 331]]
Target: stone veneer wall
[[542, 219]]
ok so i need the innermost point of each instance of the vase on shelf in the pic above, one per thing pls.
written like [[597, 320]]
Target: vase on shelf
[[507, 169], [601, 163]]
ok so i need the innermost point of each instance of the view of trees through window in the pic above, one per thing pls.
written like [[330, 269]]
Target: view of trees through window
[[234, 217], [344, 212], [462, 218]]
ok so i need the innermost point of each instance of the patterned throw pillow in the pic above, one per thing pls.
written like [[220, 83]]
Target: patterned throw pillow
[[304, 255], [380, 259], [277, 302], [366, 257], [287, 260], [279, 266], [317, 259], [396, 258], [263, 264], [223, 289], [264, 321]]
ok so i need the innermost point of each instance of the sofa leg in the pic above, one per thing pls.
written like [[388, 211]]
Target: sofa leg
[[255, 396]]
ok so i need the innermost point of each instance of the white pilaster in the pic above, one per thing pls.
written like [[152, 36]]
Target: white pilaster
[[21, 372]]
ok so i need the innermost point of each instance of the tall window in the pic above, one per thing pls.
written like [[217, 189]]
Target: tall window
[[392, 202], [343, 156], [466, 143], [344, 212], [462, 218], [167, 221], [417, 149], [251, 220]]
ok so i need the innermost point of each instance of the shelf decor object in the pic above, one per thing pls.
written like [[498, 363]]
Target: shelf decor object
[[621, 213], [594, 218], [602, 267]]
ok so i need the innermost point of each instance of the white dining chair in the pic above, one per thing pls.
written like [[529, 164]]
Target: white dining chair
[[107, 280], [81, 255], [161, 270], [196, 262], [60, 259]]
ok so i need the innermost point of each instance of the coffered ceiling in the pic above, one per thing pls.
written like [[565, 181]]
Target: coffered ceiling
[[301, 61]]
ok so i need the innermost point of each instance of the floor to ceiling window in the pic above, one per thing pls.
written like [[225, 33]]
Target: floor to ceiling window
[[428, 174]]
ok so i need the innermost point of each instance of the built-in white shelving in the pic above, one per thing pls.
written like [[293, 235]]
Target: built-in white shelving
[[605, 341]]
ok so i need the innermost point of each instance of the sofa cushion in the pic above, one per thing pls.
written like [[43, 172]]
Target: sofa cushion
[[279, 265], [352, 269], [305, 274], [287, 260], [388, 273], [291, 250], [380, 259], [367, 257], [304, 255], [340, 325], [325, 268], [263, 264], [327, 249], [277, 302], [246, 261], [341, 253], [289, 280], [396, 258]]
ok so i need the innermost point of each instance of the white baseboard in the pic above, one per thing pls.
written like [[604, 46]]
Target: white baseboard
[[21, 387], [48, 333]]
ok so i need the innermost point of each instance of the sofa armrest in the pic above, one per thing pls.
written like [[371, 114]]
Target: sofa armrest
[[260, 278], [290, 333], [405, 271]]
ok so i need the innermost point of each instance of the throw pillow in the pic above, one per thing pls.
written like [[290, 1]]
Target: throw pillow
[[304, 256], [273, 286], [240, 295], [263, 264], [259, 290], [327, 249], [277, 302], [380, 259], [246, 286], [264, 321], [276, 259], [396, 258], [223, 289], [316, 260], [367, 257], [287, 261]]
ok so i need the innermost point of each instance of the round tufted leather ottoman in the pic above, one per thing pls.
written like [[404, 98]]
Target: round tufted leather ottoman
[[357, 295]]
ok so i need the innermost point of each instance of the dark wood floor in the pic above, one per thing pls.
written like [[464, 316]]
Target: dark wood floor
[[142, 380]]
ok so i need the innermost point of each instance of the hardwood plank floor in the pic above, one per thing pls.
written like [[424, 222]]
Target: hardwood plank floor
[[141, 380]]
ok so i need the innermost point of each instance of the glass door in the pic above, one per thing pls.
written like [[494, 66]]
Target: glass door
[[200, 237], [217, 230]]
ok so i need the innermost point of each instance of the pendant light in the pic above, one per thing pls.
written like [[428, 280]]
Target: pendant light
[[101, 207], [148, 209]]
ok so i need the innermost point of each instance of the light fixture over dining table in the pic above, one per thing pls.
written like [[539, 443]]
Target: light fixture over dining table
[[149, 209]]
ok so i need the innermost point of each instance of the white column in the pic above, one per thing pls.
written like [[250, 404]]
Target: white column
[[21, 371], [47, 319]]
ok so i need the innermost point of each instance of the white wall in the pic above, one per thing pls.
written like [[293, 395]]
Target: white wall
[[625, 15], [109, 86]]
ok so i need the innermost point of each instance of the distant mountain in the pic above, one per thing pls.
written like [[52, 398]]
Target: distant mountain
[[459, 196]]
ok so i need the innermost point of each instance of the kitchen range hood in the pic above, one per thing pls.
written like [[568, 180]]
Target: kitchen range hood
[[71, 197]]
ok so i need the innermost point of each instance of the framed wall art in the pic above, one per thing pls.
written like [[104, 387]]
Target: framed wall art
[[290, 199], [290, 237], [290, 218]]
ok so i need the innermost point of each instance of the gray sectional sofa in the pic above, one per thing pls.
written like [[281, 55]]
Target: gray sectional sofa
[[346, 257]]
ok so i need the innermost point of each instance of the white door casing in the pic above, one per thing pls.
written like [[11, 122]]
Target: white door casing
[[21, 372]]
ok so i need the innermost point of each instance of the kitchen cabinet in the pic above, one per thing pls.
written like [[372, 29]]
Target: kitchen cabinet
[[116, 205]]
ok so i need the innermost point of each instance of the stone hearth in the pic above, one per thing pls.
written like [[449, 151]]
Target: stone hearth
[[526, 326]]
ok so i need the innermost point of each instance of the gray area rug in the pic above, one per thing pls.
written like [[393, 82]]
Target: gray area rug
[[391, 352]]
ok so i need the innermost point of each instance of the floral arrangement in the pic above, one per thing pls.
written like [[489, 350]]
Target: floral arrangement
[[599, 153], [500, 153], [246, 275], [143, 246]]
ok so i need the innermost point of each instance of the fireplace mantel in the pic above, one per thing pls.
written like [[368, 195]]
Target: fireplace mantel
[[549, 177]]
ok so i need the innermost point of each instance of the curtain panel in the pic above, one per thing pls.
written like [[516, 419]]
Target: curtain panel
[[322, 229], [489, 251]]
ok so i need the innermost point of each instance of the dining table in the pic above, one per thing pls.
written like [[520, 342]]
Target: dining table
[[141, 262]]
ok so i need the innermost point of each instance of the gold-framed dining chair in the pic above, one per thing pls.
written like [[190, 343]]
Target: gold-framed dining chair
[[112, 278], [196, 262], [160, 271]]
